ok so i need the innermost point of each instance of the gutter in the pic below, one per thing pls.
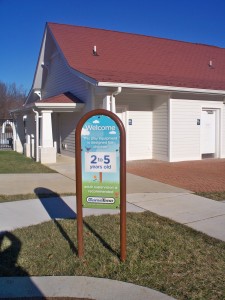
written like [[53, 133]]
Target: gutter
[[161, 88], [52, 106], [58, 105], [113, 102]]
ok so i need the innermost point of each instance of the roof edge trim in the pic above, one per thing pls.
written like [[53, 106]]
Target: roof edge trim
[[44, 105], [83, 76], [41, 51], [161, 88]]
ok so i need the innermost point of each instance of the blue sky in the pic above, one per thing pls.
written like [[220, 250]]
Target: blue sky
[[22, 24]]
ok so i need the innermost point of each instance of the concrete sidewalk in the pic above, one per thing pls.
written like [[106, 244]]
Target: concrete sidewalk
[[24, 213], [81, 287], [201, 214], [18, 184]]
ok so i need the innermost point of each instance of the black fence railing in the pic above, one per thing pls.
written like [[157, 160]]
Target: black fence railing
[[6, 134]]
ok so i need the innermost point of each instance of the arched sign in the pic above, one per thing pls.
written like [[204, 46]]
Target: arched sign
[[101, 168]]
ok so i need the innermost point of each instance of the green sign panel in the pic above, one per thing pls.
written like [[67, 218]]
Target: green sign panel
[[100, 157]]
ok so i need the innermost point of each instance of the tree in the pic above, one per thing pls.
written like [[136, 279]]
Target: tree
[[11, 97]]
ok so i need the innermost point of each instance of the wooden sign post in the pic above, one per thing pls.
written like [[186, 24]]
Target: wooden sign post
[[100, 144]]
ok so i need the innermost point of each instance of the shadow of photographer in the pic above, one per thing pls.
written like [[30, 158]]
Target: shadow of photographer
[[14, 280], [10, 247]]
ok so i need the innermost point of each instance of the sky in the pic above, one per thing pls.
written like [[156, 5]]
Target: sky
[[22, 24]]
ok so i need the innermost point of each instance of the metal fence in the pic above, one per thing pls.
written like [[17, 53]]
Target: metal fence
[[6, 134]]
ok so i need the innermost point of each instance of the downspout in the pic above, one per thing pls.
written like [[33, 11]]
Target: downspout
[[37, 134], [113, 102]]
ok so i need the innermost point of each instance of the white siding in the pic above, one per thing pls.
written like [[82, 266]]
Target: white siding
[[135, 102], [69, 141], [160, 128], [67, 126], [140, 135], [60, 79], [68, 122], [185, 134]]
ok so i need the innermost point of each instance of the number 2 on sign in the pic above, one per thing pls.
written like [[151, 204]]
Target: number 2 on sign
[[95, 159]]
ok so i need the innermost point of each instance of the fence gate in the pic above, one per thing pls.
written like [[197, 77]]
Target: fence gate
[[6, 134]]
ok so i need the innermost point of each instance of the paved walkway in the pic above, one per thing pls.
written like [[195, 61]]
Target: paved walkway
[[202, 214], [76, 286], [206, 175], [20, 214], [16, 184], [64, 181]]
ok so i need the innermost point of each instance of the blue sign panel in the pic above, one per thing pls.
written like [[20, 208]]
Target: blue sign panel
[[100, 156]]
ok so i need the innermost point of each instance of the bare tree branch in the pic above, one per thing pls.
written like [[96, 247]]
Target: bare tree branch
[[11, 97]]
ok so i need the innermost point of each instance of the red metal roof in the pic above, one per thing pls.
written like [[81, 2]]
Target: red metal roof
[[139, 59], [62, 98]]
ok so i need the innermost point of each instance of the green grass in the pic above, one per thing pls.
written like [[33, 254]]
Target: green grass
[[10, 198], [12, 162], [161, 254], [218, 196]]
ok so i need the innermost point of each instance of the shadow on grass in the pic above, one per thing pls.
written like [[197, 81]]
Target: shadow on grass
[[58, 209], [54, 205], [101, 240], [10, 284]]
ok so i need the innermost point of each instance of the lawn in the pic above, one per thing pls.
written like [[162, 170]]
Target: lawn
[[10, 198], [161, 254], [12, 162], [218, 196]]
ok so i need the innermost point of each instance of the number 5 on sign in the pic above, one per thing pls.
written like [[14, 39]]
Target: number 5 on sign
[[102, 162]]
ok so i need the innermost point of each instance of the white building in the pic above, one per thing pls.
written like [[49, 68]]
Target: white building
[[169, 94]]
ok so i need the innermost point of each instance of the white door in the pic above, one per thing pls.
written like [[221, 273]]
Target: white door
[[208, 132]]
